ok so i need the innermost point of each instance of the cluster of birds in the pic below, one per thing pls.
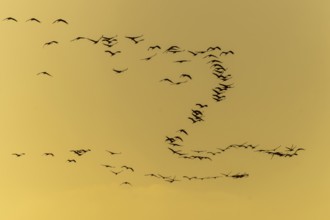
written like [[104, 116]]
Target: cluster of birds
[[212, 56]]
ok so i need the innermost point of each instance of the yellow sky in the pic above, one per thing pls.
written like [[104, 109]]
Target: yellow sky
[[280, 98]]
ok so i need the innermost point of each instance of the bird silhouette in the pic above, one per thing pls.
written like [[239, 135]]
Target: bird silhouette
[[60, 20], [185, 75], [95, 41], [50, 43], [78, 38], [210, 55], [107, 166], [120, 71], [227, 52], [113, 153], [72, 161], [201, 105], [183, 131], [181, 61], [126, 183], [33, 19], [128, 168], [44, 73], [135, 39], [10, 19], [49, 154], [168, 80], [18, 155], [116, 173], [193, 53], [154, 47], [112, 53], [149, 58]]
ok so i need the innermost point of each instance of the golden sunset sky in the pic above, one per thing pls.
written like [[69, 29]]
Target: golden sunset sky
[[280, 97]]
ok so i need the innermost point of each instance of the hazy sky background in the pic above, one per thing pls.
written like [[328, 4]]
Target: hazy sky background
[[280, 97]]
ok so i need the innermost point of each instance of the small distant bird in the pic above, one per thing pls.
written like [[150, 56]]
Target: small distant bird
[[112, 53], [227, 52], [213, 48], [95, 41], [135, 39], [107, 166], [60, 20], [190, 178], [201, 105], [33, 19], [210, 55], [10, 19], [116, 173], [126, 183], [50, 43], [78, 38], [168, 80], [120, 71], [152, 174], [18, 155], [49, 154], [128, 168], [183, 131], [193, 53], [186, 75], [149, 58], [72, 161], [113, 153], [154, 47], [181, 61], [44, 73]]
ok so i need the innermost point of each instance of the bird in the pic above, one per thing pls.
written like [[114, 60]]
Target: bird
[[128, 168], [49, 154], [168, 80], [189, 178], [214, 61], [149, 58], [116, 173], [213, 48], [71, 161], [60, 20], [227, 52], [210, 55], [176, 151], [178, 138], [120, 71], [181, 61], [113, 153], [152, 174], [135, 39], [193, 53], [50, 43], [33, 19], [78, 38], [18, 155], [193, 120], [154, 47], [172, 180], [112, 53], [10, 19], [95, 41], [183, 131], [107, 166], [126, 183], [44, 73], [186, 75], [201, 105]]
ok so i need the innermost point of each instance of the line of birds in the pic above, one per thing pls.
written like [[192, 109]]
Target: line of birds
[[218, 69], [60, 20]]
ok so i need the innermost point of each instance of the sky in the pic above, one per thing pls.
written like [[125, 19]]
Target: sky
[[278, 72]]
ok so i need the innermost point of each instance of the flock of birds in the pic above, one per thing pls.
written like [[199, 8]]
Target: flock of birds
[[212, 56]]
